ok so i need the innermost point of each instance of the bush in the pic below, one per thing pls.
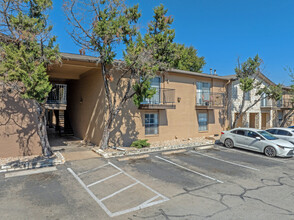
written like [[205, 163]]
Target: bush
[[140, 143]]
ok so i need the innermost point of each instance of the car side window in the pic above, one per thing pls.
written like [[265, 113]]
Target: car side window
[[240, 132], [272, 131], [252, 134], [284, 133]]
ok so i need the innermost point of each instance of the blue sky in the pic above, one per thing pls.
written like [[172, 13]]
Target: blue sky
[[221, 31]]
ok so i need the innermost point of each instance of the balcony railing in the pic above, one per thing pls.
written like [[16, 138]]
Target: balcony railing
[[58, 94], [209, 100], [162, 99], [286, 103]]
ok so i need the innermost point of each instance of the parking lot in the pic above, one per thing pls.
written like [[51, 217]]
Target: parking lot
[[217, 183]]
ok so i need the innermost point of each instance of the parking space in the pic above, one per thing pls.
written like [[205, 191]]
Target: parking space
[[216, 183], [115, 191]]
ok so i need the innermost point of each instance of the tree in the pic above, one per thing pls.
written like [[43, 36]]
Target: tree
[[186, 58], [247, 74], [100, 27], [290, 101], [26, 54]]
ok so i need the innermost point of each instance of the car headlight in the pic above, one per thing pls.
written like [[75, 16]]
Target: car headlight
[[282, 147]]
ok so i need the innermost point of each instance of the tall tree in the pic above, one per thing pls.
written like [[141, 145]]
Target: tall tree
[[247, 74], [100, 27], [186, 58], [26, 53], [290, 100]]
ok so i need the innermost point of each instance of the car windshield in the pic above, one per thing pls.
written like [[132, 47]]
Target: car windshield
[[267, 135]]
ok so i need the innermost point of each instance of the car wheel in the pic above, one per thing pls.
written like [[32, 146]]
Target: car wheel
[[270, 151], [229, 143]]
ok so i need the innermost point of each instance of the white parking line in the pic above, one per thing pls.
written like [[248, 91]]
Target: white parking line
[[90, 192], [145, 204], [119, 191], [185, 168], [88, 171], [100, 181], [225, 161], [255, 154]]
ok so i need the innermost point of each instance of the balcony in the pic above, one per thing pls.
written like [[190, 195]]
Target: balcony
[[208, 100], [272, 104], [285, 104], [163, 99], [57, 97]]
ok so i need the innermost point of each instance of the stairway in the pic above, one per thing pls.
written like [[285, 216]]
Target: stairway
[[65, 128]]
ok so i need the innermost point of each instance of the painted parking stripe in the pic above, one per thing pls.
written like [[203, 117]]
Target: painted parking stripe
[[138, 181], [185, 168], [88, 171], [119, 191], [100, 181], [148, 203], [241, 151], [90, 192], [225, 161]]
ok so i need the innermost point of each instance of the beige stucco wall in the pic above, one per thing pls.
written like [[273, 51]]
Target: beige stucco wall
[[86, 110], [18, 127]]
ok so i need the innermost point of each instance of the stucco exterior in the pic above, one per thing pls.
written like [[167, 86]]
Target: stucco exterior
[[86, 107], [18, 127]]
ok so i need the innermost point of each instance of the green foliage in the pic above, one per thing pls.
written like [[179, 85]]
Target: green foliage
[[247, 72], [140, 143], [186, 59], [28, 52], [142, 91]]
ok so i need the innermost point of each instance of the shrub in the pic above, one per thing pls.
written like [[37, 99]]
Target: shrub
[[140, 143]]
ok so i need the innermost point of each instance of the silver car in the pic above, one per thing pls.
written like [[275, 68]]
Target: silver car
[[257, 140], [283, 133]]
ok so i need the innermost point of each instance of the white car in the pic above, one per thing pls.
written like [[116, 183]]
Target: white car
[[283, 133], [257, 140]]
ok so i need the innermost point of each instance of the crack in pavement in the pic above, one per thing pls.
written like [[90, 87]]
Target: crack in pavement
[[266, 183]]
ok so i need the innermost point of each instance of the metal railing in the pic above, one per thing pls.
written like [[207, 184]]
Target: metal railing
[[161, 97], [57, 94], [210, 99], [284, 103]]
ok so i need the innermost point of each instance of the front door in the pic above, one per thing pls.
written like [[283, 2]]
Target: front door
[[263, 120], [252, 120]]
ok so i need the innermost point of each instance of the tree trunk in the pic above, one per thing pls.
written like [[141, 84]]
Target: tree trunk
[[42, 131], [240, 111], [286, 117]]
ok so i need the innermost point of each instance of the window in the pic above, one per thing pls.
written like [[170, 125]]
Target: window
[[154, 83], [263, 100], [280, 117], [272, 131], [151, 124], [202, 121], [267, 135], [247, 96], [283, 133], [235, 92], [240, 132], [203, 93], [252, 134]]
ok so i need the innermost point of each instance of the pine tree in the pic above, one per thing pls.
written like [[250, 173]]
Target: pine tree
[[26, 54]]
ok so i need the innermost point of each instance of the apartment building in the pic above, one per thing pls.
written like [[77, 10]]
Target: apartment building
[[265, 114], [186, 104]]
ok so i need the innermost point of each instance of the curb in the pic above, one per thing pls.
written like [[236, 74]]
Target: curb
[[57, 159], [147, 150]]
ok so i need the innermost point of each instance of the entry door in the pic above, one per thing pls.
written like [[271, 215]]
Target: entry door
[[252, 120], [263, 121]]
